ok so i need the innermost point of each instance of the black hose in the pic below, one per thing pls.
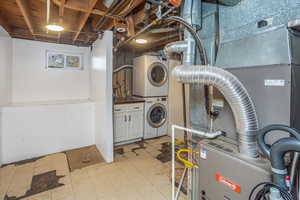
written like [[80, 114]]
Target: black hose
[[278, 150], [202, 52], [265, 190], [276, 127]]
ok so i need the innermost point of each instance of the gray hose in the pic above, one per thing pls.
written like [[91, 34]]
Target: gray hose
[[236, 95], [265, 148], [278, 150], [122, 67]]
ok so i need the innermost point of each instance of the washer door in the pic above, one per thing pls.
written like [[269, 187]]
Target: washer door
[[157, 74], [157, 115]]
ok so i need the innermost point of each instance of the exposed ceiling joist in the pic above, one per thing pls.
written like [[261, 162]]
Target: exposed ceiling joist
[[25, 10], [61, 16], [132, 6], [4, 24], [83, 18], [81, 7], [125, 10], [62, 8]]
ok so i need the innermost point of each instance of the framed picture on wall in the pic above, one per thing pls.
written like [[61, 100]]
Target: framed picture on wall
[[55, 60], [73, 61], [64, 60]]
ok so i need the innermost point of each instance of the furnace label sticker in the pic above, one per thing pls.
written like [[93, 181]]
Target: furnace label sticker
[[232, 185], [269, 82], [203, 154]]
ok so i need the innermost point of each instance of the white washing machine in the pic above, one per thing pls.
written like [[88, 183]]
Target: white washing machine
[[150, 76], [156, 117]]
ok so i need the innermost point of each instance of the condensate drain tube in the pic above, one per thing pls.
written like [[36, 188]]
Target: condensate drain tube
[[236, 95]]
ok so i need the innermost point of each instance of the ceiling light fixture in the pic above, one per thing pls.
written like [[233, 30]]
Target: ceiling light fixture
[[141, 41], [54, 27]]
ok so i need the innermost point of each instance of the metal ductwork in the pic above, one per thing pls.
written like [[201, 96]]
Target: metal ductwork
[[224, 2], [236, 95], [229, 2]]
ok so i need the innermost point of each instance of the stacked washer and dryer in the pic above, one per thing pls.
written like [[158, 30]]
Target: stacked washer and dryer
[[150, 81]]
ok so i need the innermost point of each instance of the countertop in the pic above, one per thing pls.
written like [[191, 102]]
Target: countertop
[[125, 100]]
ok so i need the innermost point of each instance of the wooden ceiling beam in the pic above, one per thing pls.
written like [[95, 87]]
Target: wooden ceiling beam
[[61, 16], [83, 8], [83, 19], [133, 5], [62, 8], [5, 25], [25, 10], [122, 10]]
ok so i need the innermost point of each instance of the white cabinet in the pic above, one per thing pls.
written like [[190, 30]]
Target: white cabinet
[[128, 122]]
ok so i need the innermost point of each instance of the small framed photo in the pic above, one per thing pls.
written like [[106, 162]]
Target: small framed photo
[[64, 60], [74, 61], [55, 60]]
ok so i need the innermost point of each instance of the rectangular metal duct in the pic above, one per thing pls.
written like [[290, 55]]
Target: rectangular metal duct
[[278, 46]]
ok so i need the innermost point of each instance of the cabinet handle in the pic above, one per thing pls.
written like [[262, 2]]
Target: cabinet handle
[[117, 109], [136, 107], [125, 118], [129, 117]]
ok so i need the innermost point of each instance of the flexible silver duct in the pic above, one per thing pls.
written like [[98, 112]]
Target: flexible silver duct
[[236, 95], [175, 47]]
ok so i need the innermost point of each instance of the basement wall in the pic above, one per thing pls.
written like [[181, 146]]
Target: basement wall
[[101, 94], [30, 131], [33, 82], [5, 67], [5, 77], [50, 110]]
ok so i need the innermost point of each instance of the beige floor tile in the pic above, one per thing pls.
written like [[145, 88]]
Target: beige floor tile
[[85, 190], [70, 197], [62, 192], [131, 177], [41, 196], [16, 191], [66, 180], [6, 177], [2, 195], [78, 176]]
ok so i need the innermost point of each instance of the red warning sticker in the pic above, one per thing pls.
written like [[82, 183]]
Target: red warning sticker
[[175, 3], [232, 185]]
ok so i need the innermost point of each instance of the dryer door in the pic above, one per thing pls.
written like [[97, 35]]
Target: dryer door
[[157, 74], [157, 115]]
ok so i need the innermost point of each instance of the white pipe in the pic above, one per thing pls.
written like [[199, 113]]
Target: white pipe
[[189, 131], [180, 183]]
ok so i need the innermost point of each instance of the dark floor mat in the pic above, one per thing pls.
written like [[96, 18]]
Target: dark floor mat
[[83, 157]]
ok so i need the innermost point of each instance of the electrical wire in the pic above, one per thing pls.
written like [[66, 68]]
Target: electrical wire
[[265, 190]]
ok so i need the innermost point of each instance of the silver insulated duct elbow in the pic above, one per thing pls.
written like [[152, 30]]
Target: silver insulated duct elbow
[[235, 94]]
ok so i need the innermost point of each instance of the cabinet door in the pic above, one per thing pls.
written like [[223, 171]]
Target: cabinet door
[[120, 126], [136, 124]]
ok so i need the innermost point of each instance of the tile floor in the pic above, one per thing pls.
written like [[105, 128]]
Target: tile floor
[[134, 175]]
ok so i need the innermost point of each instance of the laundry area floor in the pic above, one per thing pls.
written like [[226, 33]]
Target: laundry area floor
[[140, 171]]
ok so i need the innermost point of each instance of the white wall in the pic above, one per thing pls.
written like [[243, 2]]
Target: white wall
[[5, 75], [32, 82], [48, 110], [102, 94], [36, 130], [5, 69]]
